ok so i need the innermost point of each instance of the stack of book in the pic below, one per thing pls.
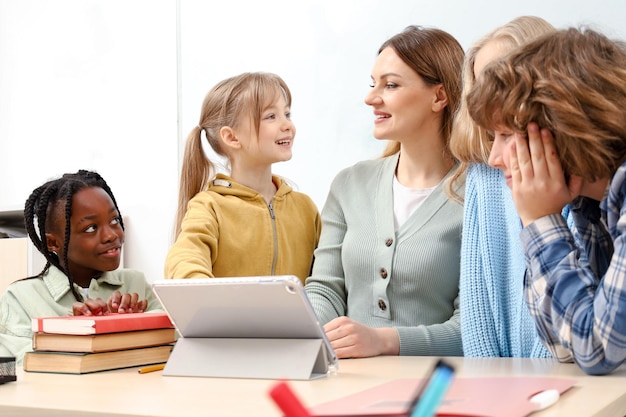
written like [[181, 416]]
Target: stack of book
[[83, 344]]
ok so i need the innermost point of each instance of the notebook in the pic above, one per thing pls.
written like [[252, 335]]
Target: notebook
[[477, 396], [423, 404], [259, 327]]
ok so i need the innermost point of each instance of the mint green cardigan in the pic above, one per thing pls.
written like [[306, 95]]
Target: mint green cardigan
[[407, 279]]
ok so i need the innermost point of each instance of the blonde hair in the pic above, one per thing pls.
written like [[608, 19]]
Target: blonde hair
[[469, 142], [437, 57], [572, 82], [228, 103]]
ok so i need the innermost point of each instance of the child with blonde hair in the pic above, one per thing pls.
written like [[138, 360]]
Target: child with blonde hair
[[249, 222], [495, 320]]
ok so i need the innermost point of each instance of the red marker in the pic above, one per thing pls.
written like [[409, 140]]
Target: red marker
[[285, 398]]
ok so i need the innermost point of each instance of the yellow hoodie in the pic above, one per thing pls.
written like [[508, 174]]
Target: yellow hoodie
[[231, 231]]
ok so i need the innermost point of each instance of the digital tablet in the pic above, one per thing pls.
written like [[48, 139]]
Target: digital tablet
[[264, 307]]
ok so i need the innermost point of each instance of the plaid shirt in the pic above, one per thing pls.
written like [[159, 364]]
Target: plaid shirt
[[577, 295]]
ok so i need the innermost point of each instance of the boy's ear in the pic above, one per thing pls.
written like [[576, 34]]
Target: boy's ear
[[440, 100], [229, 138], [53, 243]]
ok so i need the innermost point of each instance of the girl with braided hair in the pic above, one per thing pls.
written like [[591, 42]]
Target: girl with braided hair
[[74, 221]]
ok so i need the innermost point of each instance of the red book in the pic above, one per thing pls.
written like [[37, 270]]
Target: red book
[[110, 323]]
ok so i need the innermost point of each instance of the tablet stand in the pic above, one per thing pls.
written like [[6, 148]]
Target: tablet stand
[[302, 359]]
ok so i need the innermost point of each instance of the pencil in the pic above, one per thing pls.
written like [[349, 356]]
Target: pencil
[[151, 368]]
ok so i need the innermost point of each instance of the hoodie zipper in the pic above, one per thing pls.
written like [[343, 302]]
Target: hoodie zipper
[[273, 217]]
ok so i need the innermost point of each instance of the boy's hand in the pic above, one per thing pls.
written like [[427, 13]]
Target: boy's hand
[[538, 183]]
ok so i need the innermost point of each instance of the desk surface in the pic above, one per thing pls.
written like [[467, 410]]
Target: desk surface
[[128, 393]]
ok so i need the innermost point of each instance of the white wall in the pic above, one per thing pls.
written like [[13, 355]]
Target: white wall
[[107, 85], [325, 49], [93, 84]]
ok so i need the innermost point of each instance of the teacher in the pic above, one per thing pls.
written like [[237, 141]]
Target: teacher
[[385, 279]]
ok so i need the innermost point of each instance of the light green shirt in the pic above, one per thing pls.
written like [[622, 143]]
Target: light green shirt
[[51, 296]]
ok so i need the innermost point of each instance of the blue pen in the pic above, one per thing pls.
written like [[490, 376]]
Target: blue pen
[[434, 391]]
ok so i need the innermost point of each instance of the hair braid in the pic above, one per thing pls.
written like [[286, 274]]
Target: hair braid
[[30, 209], [36, 207], [72, 188]]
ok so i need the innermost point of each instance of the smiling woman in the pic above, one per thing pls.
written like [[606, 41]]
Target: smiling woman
[[75, 223], [386, 273]]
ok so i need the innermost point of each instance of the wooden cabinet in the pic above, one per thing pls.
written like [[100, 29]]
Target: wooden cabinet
[[18, 259]]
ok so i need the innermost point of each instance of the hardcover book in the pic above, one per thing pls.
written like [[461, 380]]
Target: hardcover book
[[82, 363], [109, 323], [102, 342]]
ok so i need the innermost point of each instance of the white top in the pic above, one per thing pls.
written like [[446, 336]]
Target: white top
[[406, 200]]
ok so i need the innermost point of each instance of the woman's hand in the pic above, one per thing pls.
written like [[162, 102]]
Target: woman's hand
[[351, 339]]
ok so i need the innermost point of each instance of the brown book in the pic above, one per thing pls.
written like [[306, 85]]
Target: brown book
[[102, 342], [82, 363]]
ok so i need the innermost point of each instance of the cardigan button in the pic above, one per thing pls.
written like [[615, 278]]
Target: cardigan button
[[382, 305], [389, 242], [383, 273]]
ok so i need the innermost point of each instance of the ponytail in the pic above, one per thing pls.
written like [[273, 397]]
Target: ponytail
[[196, 172]]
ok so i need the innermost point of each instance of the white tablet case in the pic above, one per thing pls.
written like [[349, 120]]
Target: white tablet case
[[249, 327]]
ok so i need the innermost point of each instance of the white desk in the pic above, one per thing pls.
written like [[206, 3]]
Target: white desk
[[128, 393]]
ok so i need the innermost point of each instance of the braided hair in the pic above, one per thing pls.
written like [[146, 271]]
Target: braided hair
[[41, 209]]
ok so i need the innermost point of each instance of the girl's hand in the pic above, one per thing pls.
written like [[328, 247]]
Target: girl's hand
[[351, 339], [90, 307], [537, 180], [126, 303]]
